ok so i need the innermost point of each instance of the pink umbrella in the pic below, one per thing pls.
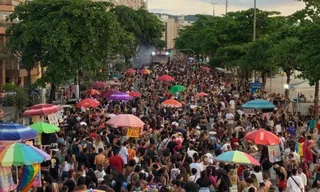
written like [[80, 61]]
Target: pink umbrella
[[108, 93], [131, 71], [126, 120], [207, 69], [201, 94], [99, 85]]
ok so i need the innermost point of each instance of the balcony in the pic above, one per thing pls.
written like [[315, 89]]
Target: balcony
[[9, 8], [5, 2]]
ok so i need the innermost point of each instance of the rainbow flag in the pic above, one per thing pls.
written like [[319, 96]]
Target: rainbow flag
[[27, 177]]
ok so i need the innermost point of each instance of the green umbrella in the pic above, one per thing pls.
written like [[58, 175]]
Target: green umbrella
[[42, 127], [177, 88], [117, 75]]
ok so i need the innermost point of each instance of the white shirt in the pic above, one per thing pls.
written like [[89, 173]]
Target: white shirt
[[292, 186], [193, 178], [100, 174], [198, 167], [232, 104], [191, 153], [303, 177], [278, 128], [230, 118], [124, 154], [258, 176]]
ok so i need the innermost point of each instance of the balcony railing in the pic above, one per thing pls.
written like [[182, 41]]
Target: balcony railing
[[5, 2]]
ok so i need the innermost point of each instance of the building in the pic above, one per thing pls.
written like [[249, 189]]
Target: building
[[10, 71], [172, 28]]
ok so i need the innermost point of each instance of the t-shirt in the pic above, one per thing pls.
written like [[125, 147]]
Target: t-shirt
[[294, 184], [198, 167], [124, 154], [116, 162]]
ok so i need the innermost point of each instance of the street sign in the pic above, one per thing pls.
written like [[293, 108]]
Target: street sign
[[255, 86]]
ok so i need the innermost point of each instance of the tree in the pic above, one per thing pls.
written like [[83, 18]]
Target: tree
[[144, 26], [309, 57], [65, 36]]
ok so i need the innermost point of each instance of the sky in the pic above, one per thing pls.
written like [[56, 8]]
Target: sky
[[187, 7]]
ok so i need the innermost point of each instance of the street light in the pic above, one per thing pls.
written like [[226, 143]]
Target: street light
[[214, 9], [254, 31]]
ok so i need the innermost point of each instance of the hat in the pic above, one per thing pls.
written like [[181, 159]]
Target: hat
[[198, 127]]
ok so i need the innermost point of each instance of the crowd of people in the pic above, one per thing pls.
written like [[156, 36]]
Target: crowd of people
[[177, 149]]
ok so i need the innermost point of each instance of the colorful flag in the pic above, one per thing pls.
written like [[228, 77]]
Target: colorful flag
[[27, 177]]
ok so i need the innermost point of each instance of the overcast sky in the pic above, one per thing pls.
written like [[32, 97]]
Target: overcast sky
[[186, 7]]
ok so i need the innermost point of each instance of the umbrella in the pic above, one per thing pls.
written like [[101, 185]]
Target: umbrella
[[166, 78], [87, 103], [135, 94], [262, 137], [131, 71], [171, 103], [120, 97], [99, 85], [206, 69], [108, 93], [237, 157], [19, 154], [13, 132], [125, 120], [91, 92], [113, 82], [201, 94], [117, 75], [145, 71], [42, 109], [258, 104], [177, 88], [42, 127]]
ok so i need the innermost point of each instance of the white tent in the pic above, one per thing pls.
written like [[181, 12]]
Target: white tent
[[302, 86]]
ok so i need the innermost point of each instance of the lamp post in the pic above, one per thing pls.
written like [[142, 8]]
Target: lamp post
[[254, 31], [227, 4], [214, 9]]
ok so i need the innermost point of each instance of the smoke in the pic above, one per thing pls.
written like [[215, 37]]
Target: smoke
[[143, 57]]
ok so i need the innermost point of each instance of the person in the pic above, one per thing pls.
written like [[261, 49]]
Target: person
[[1, 115], [204, 182], [177, 186], [100, 173], [197, 165], [295, 183], [303, 177], [116, 161], [100, 158], [124, 154]]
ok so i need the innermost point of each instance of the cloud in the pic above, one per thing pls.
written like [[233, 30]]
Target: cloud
[[185, 7]]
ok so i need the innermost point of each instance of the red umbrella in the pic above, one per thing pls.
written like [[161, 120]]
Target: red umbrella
[[87, 103], [135, 94], [108, 93], [99, 85], [166, 78], [91, 92], [131, 71], [206, 69], [42, 109], [202, 94], [171, 103], [262, 137]]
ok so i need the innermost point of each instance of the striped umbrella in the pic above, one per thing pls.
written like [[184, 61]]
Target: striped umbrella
[[19, 154], [13, 132], [237, 157]]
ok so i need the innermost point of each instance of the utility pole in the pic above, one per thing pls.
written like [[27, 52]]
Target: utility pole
[[254, 31], [227, 5], [214, 9]]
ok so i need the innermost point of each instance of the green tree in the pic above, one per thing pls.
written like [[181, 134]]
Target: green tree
[[144, 26], [309, 57], [65, 36]]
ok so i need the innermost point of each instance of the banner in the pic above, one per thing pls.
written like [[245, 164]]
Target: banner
[[36, 119], [53, 119], [38, 140], [134, 132], [274, 153]]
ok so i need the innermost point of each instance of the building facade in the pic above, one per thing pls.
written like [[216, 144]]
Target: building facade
[[134, 4]]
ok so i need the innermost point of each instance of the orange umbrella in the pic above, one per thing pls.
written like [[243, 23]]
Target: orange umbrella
[[125, 120], [145, 71], [166, 78], [171, 103], [130, 71], [87, 103], [135, 94], [201, 94], [91, 92]]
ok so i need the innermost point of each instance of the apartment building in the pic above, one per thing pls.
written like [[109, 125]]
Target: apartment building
[[134, 4]]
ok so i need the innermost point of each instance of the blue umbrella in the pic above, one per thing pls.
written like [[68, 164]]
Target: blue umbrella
[[13, 132], [258, 104]]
